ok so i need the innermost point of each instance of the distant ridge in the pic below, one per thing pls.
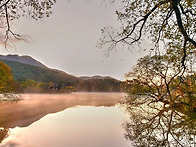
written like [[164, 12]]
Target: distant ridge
[[23, 59], [25, 67], [95, 77]]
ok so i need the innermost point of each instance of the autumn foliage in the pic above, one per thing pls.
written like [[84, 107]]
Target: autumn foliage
[[6, 78], [157, 79], [185, 92]]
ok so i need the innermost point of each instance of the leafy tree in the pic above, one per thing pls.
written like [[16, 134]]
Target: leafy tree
[[185, 91], [156, 79], [169, 24], [29, 84], [99, 85], [6, 78]]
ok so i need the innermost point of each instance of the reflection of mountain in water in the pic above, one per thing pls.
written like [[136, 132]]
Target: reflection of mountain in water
[[160, 126], [36, 106]]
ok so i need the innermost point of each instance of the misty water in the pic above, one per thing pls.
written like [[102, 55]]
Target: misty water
[[92, 120], [64, 120]]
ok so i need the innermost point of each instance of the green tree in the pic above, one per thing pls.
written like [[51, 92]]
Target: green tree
[[6, 78], [29, 83]]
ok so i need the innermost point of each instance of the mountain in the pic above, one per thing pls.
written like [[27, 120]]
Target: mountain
[[95, 77], [25, 67], [23, 59], [23, 72]]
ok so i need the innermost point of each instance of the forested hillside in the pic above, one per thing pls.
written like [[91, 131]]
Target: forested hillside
[[30, 78], [25, 71]]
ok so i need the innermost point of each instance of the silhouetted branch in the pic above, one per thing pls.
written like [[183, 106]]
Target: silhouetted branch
[[165, 21], [9, 31], [14, 9], [187, 11], [180, 25]]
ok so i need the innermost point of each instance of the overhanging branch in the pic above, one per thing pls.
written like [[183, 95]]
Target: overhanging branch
[[143, 21], [180, 25]]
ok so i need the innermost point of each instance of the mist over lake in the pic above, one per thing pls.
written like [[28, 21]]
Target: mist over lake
[[77, 119]]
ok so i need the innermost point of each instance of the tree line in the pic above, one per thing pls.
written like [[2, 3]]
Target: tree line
[[9, 84]]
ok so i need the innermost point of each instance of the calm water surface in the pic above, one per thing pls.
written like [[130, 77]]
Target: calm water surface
[[64, 120]]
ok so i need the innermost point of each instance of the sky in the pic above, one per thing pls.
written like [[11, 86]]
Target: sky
[[67, 40]]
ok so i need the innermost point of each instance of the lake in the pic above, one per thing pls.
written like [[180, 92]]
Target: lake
[[64, 120], [93, 120]]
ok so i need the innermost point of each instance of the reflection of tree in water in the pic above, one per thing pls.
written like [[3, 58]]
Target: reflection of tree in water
[[3, 134], [6, 98], [159, 125]]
